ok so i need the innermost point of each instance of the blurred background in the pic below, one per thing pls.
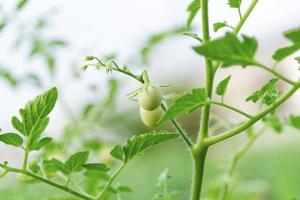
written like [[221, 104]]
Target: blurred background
[[43, 44]]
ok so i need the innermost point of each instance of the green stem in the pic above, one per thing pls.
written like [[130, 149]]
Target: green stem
[[26, 154], [62, 187], [145, 77], [3, 173], [110, 181], [237, 156], [179, 129], [200, 149], [245, 17], [272, 71], [231, 108], [254, 119], [240, 13], [198, 172]]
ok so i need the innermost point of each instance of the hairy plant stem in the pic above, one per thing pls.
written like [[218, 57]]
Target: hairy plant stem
[[199, 156], [200, 149], [49, 182], [110, 181]]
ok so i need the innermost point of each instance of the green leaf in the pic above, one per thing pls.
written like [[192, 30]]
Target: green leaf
[[21, 4], [2, 25], [155, 39], [41, 143], [268, 93], [230, 50], [96, 167], [219, 25], [275, 123], [137, 144], [284, 52], [234, 3], [55, 165], [124, 189], [185, 104], [35, 116], [193, 9], [76, 161], [222, 86], [117, 152], [298, 59], [295, 121], [11, 139], [293, 35], [9, 77]]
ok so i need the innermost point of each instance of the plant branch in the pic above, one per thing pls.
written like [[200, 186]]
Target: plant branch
[[237, 156], [231, 108], [110, 181], [253, 120], [49, 182], [245, 17], [240, 13], [272, 71], [184, 136], [200, 149]]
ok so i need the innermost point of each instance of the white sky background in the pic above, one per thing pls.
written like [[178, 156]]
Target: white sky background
[[105, 26]]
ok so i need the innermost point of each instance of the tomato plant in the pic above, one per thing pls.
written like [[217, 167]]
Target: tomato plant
[[231, 49]]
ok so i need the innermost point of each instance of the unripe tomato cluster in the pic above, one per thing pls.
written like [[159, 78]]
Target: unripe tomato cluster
[[149, 100]]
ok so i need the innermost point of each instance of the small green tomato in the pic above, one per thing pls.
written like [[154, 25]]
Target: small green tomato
[[150, 98], [150, 118]]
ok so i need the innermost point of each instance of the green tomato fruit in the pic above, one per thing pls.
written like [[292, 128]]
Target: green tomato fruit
[[150, 98], [150, 118]]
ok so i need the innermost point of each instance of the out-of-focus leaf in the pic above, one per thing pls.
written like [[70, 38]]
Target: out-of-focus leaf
[[9, 77], [96, 167], [275, 123], [21, 4], [193, 9], [219, 25], [295, 121], [155, 40]]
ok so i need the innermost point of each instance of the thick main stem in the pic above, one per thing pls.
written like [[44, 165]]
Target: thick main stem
[[200, 150], [198, 172]]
